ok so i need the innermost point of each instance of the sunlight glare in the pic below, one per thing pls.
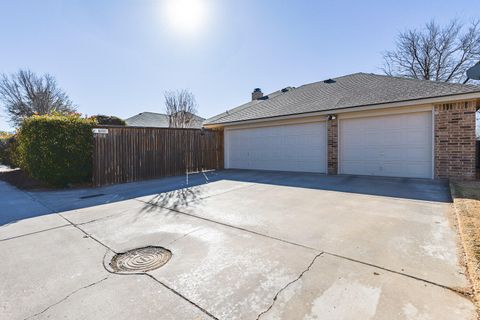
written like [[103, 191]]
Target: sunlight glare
[[186, 16]]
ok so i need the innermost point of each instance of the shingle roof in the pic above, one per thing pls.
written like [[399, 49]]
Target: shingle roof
[[159, 120], [359, 89]]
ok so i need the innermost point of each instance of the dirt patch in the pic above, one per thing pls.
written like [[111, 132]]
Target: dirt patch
[[466, 197]]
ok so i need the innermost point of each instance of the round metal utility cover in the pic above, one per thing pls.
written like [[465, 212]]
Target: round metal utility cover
[[140, 259]]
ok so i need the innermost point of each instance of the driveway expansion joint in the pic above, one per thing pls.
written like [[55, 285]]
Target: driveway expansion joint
[[68, 296], [287, 285], [116, 214], [182, 296], [112, 272], [461, 291], [230, 226], [146, 274], [87, 234], [464, 292], [36, 232]]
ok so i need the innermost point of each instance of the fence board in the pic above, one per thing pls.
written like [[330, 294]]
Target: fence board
[[128, 154]]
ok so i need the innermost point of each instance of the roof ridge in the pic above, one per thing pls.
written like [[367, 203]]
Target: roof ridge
[[356, 89], [418, 80], [163, 114], [248, 104], [334, 78], [245, 106]]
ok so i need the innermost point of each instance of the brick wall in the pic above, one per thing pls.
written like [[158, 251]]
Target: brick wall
[[455, 140], [332, 131]]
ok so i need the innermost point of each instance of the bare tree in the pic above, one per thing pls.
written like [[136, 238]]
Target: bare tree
[[24, 94], [435, 53], [181, 108]]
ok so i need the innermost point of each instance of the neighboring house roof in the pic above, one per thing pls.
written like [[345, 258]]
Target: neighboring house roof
[[159, 120], [355, 90]]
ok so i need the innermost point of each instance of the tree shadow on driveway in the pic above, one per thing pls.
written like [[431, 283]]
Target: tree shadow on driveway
[[173, 199], [179, 190]]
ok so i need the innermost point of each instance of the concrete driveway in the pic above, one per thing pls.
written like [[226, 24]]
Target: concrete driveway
[[245, 245]]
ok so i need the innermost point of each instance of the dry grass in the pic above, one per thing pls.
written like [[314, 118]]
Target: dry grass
[[466, 196]]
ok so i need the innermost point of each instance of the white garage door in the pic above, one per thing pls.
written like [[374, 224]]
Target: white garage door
[[298, 147], [396, 145]]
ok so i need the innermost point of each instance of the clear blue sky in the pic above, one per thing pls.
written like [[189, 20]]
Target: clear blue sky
[[117, 57]]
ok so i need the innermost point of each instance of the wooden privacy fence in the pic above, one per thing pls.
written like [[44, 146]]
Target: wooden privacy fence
[[125, 154]]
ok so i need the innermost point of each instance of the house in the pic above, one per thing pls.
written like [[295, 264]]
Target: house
[[159, 120], [363, 124]]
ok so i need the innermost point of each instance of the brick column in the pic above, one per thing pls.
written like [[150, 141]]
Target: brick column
[[455, 140], [332, 132]]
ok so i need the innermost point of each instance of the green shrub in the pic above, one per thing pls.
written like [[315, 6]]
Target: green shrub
[[109, 120], [8, 145], [56, 149]]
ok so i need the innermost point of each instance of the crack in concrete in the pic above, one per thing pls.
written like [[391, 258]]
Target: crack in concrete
[[287, 285], [455, 290], [67, 296], [141, 273], [185, 235], [161, 283], [32, 233], [460, 291]]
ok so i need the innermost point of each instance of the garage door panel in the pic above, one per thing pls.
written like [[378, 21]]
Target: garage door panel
[[299, 147], [373, 136], [392, 154], [372, 153], [413, 121], [417, 169], [393, 124], [352, 139], [394, 137], [372, 166], [392, 168], [354, 167], [418, 137], [394, 145], [418, 155], [353, 154]]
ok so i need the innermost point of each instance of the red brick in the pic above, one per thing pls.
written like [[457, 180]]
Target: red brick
[[455, 140]]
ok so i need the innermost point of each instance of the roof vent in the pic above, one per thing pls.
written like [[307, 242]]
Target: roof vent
[[286, 89], [329, 81]]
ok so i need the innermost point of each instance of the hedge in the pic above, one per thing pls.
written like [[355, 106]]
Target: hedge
[[8, 144], [56, 149]]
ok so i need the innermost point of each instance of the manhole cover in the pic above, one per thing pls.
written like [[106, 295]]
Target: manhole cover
[[141, 259]]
